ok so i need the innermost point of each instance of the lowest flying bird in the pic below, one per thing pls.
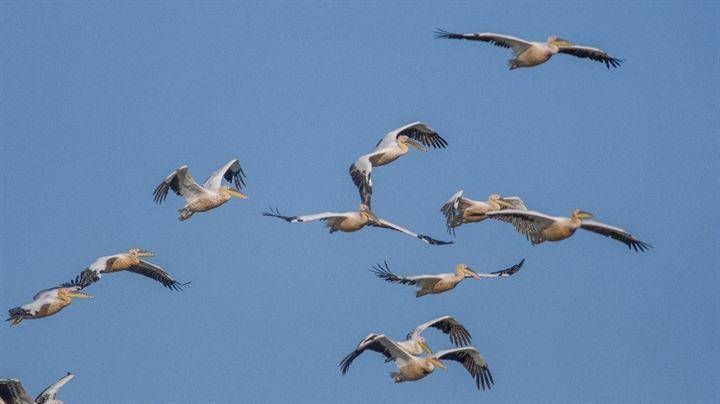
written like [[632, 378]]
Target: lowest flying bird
[[206, 197], [391, 147], [49, 395], [412, 368], [538, 227], [129, 261], [529, 54], [414, 343], [353, 221], [434, 284], [46, 303], [459, 210]]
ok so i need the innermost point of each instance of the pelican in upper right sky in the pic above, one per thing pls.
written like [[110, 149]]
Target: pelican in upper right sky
[[206, 197], [538, 227], [46, 303], [391, 147], [529, 54], [49, 395], [459, 210], [353, 221], [439, 283]]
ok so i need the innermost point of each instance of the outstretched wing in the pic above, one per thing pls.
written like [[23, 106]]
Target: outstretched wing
[[422, 281], [458, 334], [504, 272], [473, 361], [304, 218], [527, 222], [587, 52], [361, 172], [387, 225], [417, 131], [517, 45], [452, 209], [616, 233], [378, 343], [231, 171], [152, 271], [50, 393], [181, 182]]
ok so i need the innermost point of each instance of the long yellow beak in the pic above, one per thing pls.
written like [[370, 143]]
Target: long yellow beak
[[471, 273], [505, 203], [437, 363], [424, 347], [81, 295], [238, 194], [416, 145]]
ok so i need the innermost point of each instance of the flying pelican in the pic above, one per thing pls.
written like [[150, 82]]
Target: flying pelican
[[48, 395], [389, 149], [353, 221], [538, 227], [459, 210], [529, 54], [129, 261], [415, 343], [46, 303], [413, 368], [434, 284], [206, 197]]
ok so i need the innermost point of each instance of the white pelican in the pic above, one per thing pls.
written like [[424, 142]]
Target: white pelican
[[46, 303], [48, 396], [206, 197], [415, 343], [353, 221], [411, 368], [129, 261], [389, 149], [434, 284], [538, 227], [529, 54], [459, 210]]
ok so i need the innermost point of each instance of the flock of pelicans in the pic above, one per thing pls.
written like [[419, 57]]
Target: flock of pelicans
[[458, 210]]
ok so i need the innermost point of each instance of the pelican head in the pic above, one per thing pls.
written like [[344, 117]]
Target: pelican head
[[462, 269], [141, 253], [497, 202], [435, 362], [423, 345], [402, 139], [367, 213], [553, 40], [233, 192], [581, 214], [73, 293]]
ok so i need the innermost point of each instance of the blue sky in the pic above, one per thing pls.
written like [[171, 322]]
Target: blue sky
[[100, 101]]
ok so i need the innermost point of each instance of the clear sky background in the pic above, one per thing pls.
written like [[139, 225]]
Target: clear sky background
[[100, 101]]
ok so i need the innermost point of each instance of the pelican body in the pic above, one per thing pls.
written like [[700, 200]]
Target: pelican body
[[130, 261], [412, 368], [440, 283], [353, 221], [210, 195], [459, 210], [538, 227], [46, 303], [395, 144], [530, 54]]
